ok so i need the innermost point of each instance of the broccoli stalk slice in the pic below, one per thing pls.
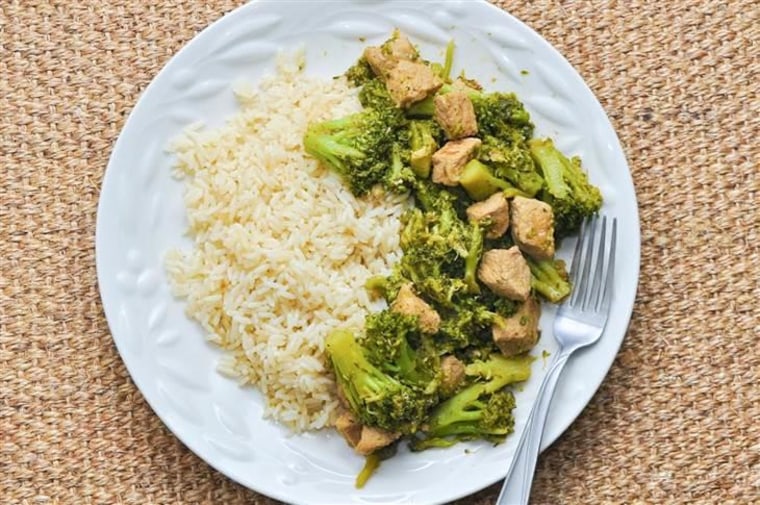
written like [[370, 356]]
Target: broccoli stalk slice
[[371, 464], [448, 61], [549, 279], [473, 258], [479, 182], [423, 145], [553, 166]]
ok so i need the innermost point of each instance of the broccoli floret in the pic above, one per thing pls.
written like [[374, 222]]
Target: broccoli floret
[[464, 325], [429, 260], [500, 114], [567, 188], [400, 177], [480, 410], [360, 72], [374, 95], [549, 279], [441, 251], [480, 183], [358, 147], [423, 143], [511, 160], [467, 321], [395, 344], [375, 397]]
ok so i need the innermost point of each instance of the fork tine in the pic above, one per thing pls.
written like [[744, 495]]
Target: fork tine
[[574, 265], [580, 288], [610, 275], [594, 293]]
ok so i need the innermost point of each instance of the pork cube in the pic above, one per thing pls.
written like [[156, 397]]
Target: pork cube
[[411, 81], [518, 333], [456, 115], [408, 303], [533, 227], [449, 161], [364, 439], [496, 209], [373, 438], [506, 273], [401, 48], [350, 427], [381, 63], [452, 372]]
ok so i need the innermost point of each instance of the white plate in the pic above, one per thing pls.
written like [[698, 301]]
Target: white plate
[[141, 215]]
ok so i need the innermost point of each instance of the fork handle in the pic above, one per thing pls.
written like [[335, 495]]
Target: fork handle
[[516, 488]]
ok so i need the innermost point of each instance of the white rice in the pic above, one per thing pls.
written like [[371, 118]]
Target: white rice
[[281, 248]]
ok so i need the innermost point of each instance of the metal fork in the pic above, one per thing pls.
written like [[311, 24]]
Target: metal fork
[[580, 322]]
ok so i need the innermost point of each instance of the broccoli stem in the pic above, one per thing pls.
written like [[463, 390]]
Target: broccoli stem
[[473, 258], [549, 279], [480, 183], [449, 61], [371, 464], [553, 165]]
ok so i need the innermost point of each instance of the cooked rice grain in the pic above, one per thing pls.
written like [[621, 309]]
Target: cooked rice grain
[[281, 248]]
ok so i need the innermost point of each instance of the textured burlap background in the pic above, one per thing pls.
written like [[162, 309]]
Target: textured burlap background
[[676, 420]]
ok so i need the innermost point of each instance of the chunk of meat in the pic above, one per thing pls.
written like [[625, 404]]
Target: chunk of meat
[[350, 427], [506, 273], [364, 439], [411, 81], [380, 62], [452, 372], [496, 209], [518, 333], [408, 303], [533, 227], [456, 115], [401, 48], [449, 161], [373, 438]]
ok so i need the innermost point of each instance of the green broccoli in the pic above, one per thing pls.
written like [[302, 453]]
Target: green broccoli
[[359, 73], [511, 160], [423, 144], [467, 321], [439, 245], [400, 177], [481, 410], [374, 95], [567, 188], [479, 182], [375, 397], [472, 257], [358, 147], [500, 115], [394, 343], [429, 260], [549, 278]]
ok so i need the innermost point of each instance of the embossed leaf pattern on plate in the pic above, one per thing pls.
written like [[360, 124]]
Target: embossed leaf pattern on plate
[[139, 218]]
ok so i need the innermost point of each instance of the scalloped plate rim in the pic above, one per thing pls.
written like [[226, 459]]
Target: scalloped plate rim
[[112, 314]]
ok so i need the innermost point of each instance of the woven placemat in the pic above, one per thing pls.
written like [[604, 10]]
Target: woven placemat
[[676, 420]]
